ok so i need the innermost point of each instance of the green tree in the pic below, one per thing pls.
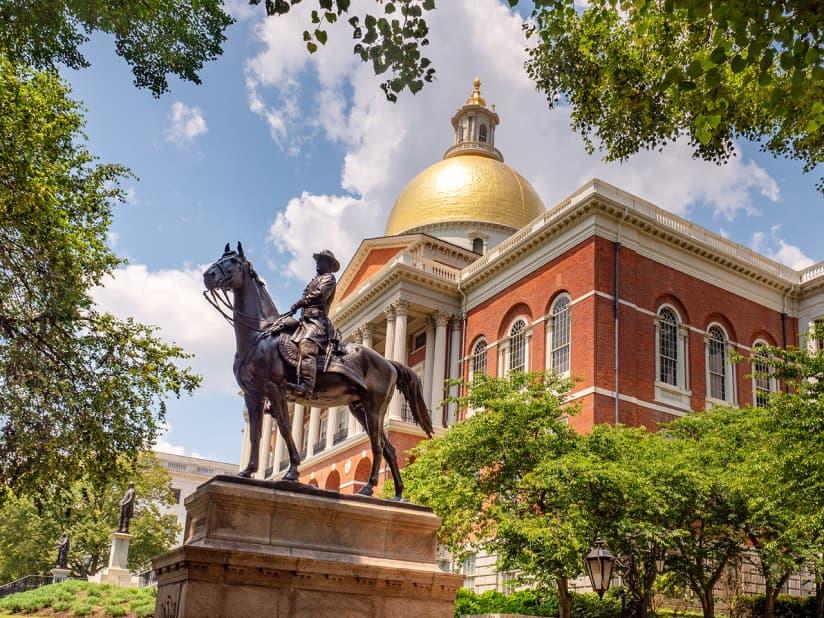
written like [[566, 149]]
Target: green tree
[[88, 513], [157, 38], [78, 388], [476, 478], [638, 74]]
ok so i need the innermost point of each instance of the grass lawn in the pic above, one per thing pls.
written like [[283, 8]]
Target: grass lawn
[[78, 598]]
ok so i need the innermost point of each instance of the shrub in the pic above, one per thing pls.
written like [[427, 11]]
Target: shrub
[[82, 607], [143, 611], [785, 606], [115, 610], [590, 606]]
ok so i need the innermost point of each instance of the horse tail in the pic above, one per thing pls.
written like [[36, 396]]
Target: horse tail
[[410, 385]]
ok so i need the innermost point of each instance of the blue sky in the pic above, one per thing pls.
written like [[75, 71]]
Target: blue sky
[[290, 154]]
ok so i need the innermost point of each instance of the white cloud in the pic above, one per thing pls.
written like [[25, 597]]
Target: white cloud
[[185, 124], [130, 196], [173, 301], [163, 445], [775, 247], [331, 93]]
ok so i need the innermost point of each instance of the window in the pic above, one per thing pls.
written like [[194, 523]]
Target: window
[[507, 582], [468, 571], [343, 419], [482, 133], [559, 329], [667, 347], [176, 494], [717, 366], [324, 425], [478, 362], [419, 341], [818, 328], [478, 246], [763, 382], [517, 346]]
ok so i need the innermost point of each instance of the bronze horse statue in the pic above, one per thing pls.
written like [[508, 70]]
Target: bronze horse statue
[[262, 369]]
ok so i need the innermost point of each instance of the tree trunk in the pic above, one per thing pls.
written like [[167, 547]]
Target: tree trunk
[[769, 598], [564, 599], [819, 599], [707, 603]]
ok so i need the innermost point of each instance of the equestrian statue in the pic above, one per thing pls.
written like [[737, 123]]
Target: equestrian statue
[[280, 359]]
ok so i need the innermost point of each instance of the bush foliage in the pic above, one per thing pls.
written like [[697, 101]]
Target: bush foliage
[[81, 598]]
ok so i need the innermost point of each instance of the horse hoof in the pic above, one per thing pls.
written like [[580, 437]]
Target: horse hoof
[[365, 491], [246, 474], [291, 476]]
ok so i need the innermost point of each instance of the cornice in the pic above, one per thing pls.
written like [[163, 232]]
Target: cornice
[[602, 197]]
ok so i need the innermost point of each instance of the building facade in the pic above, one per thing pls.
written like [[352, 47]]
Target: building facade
[[474, 275], [187, 474]]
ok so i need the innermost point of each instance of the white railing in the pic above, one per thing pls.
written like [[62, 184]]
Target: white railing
[[812, 272], [428, 266], [470, 146]]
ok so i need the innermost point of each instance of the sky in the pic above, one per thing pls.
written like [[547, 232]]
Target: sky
[[291, 153]]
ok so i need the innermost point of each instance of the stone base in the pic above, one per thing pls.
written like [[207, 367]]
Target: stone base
[[256, 549], [60, 575], [117, 577], [117, 573]]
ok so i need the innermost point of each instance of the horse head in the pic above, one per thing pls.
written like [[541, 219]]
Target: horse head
[[227, 272]]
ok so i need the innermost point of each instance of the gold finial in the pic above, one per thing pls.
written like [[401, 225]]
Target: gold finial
[[476, 98]]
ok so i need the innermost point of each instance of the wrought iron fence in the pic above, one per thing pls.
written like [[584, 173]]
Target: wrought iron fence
[[147, 579], [29, 582]]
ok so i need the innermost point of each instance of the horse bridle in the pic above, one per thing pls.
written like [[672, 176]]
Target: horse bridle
[[217, 300]]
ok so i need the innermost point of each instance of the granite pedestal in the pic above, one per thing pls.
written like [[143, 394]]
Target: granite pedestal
[[117, 573], [256, 549]]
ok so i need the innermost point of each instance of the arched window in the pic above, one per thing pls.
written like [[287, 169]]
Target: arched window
[[482, 133], [668, 347], [559, 335], [517, 346], [762, 380], [478, 362], [718, 370], [478, 246]]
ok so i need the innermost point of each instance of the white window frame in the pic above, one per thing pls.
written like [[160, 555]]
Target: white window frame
[[773, 382], [504, 347], [678, 395], [474, 353], [550, 329], [729, 370]]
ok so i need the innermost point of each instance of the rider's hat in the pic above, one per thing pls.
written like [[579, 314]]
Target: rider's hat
[[330, 257]]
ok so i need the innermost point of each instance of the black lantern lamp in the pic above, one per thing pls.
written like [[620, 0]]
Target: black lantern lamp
[[599, 563]]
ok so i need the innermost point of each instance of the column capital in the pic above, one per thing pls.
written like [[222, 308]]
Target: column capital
[[456, 322], [441, 319], [356, 336], [367, 329], [401, 307], [389, 312]]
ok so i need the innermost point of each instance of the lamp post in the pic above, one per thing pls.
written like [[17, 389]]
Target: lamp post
[[599, 563]]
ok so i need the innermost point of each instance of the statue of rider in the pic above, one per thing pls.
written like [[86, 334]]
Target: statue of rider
[[315, 329]]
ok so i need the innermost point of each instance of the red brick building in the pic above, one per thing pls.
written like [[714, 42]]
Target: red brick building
[[474, 274]]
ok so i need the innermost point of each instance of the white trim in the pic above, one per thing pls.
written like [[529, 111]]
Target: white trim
[[773, 382], [597, 390], [550, 333], [503, 353], [730, 381]]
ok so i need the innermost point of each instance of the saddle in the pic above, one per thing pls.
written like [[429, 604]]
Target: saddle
[[342, 359]]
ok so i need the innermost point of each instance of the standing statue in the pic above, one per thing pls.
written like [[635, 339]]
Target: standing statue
[[274, 362], [126, 509], [315, 331], [63, 552]]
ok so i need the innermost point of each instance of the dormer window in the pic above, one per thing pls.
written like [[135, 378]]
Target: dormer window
[[482, 133], [478, 246]]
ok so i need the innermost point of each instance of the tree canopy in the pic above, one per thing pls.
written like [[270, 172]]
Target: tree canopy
[[78, 387], [158, 38], [88, 513]]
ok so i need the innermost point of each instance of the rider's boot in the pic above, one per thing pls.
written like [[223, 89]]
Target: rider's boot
[[307, 373]]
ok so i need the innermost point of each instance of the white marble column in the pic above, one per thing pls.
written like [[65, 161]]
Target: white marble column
[[399, 351], [314, 424], [367, 332], [297, 425], [246, 444], [438, 367], [454, 366], [389, 347], [263, 451], [354, 425], [332, 425], [429, 357], [280, 449]]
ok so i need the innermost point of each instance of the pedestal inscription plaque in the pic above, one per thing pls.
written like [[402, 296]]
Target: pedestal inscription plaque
[[255, 549]]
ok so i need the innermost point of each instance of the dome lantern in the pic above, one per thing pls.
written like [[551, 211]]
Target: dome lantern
[[471, 198], [474, 125]]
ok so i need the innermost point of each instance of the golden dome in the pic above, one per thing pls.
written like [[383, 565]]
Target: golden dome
[[466, 188]]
